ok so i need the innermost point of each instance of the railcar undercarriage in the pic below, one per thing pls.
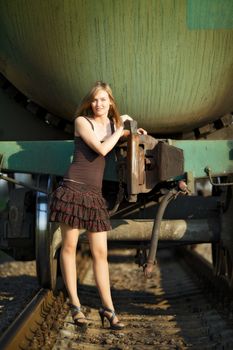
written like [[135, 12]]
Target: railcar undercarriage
[[158, 191]]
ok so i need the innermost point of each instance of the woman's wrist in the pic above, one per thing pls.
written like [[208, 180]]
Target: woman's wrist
[[121, 127]]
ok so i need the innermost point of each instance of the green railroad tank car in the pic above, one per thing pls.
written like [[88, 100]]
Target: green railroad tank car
[[169, 62]]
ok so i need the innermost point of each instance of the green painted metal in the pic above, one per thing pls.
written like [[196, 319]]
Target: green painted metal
[[210, 14], [53, 157], [169, 62], [218, 155], [45, 157]]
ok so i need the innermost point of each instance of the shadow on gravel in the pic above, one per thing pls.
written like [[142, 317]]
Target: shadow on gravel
[[15, 293], [169, 310], [12, 287], [119, 259], [128, 301]]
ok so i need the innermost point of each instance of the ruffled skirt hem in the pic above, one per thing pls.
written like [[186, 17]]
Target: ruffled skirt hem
[[79, 206]]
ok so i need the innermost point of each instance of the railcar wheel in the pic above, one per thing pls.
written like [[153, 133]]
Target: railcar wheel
[[229, 267], [46, 250], [222, 252], [218, 257], [223, 263]]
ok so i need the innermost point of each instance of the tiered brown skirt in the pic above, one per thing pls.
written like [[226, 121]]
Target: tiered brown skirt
[[79, 206]]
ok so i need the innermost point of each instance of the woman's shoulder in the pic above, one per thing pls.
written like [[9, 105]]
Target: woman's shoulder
[[79, 120], [83, 117]]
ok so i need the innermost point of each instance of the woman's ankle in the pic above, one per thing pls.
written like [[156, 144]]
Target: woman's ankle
[[75, 302]]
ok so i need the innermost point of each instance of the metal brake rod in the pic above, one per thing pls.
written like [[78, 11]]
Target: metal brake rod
[[208, 172], [34, 188]]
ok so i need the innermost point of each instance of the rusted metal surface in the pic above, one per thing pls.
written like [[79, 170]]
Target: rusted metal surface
[[148, 161], [133, 167], [24, 325]]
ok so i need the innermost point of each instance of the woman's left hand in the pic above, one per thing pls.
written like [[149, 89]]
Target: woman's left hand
[[125, 117], [141, 131]]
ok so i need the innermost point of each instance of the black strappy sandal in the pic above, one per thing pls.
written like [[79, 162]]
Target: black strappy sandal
[[78, 321], [113, 325]]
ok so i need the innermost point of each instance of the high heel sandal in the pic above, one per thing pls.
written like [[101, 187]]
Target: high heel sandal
[[78, 321], [113, 325]]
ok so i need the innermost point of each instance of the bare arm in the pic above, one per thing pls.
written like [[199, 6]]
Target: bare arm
[[83, 128], [126, 133]]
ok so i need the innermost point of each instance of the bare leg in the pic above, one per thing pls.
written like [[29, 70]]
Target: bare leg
[[99, 250], [98, 246], [68, 261]]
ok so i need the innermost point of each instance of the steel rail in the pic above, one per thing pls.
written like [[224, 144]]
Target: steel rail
[[204, 268], [22, 330]]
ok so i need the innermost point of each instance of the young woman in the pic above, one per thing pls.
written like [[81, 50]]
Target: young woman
[[78, 202]]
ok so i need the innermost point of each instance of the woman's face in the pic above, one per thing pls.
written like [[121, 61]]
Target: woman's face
[[101, 103]]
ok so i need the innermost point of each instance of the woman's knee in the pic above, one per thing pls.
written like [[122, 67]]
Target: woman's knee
[[68, 248], [69, 239], [99, 254]]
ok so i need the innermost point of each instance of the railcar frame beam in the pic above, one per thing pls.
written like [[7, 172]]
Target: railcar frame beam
[[53, 157]]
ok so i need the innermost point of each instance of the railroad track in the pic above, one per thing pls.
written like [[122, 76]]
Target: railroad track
[[176, 309]]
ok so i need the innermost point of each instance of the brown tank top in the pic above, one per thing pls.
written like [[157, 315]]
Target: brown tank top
[[87, 165]]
